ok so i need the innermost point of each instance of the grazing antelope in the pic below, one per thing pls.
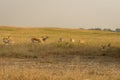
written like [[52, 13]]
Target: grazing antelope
[[72, 40], [60, 39], [7, 40], [39, 40]]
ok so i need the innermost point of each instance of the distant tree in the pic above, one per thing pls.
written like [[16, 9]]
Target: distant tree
[[107, 29], [117, 30], [81, 28], [95, 29]]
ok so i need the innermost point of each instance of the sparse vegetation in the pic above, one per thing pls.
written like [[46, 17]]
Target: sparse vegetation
[[95, 59], [117, 30]]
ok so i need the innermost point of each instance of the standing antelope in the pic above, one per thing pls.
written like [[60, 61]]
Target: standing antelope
[[60, 39], [7, 40], [105, 47], [39, 40], [44, 38], [72, 40]]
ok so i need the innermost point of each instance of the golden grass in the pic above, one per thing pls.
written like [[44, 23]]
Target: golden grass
[[59, 61], [91, 69]]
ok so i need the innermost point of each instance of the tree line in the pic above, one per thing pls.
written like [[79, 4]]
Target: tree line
[[106, 29]]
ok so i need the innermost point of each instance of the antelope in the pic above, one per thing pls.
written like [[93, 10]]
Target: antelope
[[44, 38], [60, 39], [72, 40], [39, 40], [105, 47], [7, 40]]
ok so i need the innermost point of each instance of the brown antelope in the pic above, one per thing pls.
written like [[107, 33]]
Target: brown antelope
[[60, 39], [44, 38], [7, 40], [105, 47], [39, 40], [72, 40]]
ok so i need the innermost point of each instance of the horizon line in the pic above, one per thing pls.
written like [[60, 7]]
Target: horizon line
[[54, 27]]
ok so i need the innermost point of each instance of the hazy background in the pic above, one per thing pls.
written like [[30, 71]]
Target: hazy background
[[60, 13]]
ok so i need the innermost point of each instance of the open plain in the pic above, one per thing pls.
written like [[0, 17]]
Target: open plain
[[94, 55]]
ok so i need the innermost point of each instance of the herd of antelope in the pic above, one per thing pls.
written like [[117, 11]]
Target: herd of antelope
[[8, 40]]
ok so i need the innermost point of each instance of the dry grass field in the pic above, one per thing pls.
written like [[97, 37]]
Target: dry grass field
[[95, 55]]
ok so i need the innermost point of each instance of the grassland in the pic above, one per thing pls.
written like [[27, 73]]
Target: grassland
[[51, 60]]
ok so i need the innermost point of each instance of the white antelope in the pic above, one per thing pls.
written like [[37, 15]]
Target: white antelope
[[39, 40], [8, 40]]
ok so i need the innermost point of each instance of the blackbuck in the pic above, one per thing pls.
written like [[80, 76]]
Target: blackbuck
[[39, 40]]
